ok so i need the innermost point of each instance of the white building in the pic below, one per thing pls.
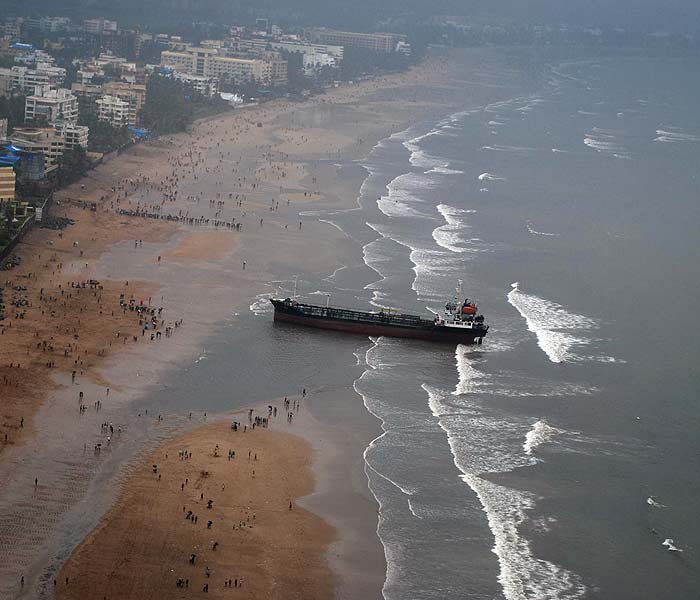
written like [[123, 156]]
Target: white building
[[207, 86], [26, 80], [115, 111], [12, 29], [336, 52], [41, 140], [99, 26], [314, 62], [6, 82], [51, 106], [73, 135], [211, 62]]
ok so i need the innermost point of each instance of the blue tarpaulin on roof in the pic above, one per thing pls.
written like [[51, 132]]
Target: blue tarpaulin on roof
[[8, 160], [140, 133], [20, 46]]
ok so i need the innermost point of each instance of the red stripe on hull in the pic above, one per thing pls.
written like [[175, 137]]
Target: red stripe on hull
[[458, 337]]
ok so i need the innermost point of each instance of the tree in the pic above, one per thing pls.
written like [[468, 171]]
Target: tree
[[103, 137], [12, 109], [168, 107], [72, 166]]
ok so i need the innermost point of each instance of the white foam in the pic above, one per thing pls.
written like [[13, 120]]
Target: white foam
[[652, 502], [541, 433], [262, 305], [445, 171], [533, 231], [450, 236], [470, 378], [674, 135], [489, 177], [551, 323], [392, 207], [671, 545], [605, 141], [521, 575], [512, 149], [558, 151]]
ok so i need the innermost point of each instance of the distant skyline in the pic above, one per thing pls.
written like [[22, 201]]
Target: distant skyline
[[643, 15]]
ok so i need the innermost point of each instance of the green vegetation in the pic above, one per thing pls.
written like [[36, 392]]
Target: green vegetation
[[172, 105], [359, 61], [74, 164], [103, 137], [166, 109], [12, 109]]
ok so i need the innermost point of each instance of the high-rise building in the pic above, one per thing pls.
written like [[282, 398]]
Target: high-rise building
[[379, 42], [7, 184], [40, 140], [113, 110], [50, 106], [134, 94], [74, 136], [210, 62]]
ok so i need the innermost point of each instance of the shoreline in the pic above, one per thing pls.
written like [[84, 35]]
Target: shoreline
[[115, 261]]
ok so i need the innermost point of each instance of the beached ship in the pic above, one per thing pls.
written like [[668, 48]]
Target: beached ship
[[458, 323]]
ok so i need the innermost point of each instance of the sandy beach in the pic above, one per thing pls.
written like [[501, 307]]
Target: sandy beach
[[208, 518], [187, 230]]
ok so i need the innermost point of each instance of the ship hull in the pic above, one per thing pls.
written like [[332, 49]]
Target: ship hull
[[428, 333]]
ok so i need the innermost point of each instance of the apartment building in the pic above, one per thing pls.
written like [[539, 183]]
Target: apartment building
[[114, 110], [336, 52], [7, 184], [40, 140], [207, 86], [24, 80], [49, 106], [378, 42], [99, 26], [73, 135], [6, 85], [211, 62], [88, 91], [134, 94]]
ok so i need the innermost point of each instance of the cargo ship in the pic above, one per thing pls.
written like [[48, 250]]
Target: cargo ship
[[459, 323]]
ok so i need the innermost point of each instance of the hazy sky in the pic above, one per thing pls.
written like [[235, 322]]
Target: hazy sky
[[683, 15]]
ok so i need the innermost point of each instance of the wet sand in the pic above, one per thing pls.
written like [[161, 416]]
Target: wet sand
[[254, 534], [230, 169]]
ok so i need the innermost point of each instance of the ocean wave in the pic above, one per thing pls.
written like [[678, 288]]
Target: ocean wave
[[450, 236], [490, 177], [482, 445], [552, 324], [675, 135], [521, 575], [533, 231], [651, 501], [541, 433], [605, 141], [262, 305], [445, 171], [512, 149]]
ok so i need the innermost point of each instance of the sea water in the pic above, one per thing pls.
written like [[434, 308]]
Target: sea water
[[555, 460]]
